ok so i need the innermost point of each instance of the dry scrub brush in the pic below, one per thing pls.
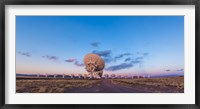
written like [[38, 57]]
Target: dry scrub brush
[[50, 86], [169, 83]]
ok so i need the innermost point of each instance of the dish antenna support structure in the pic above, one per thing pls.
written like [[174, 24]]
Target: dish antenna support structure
[[94, 65]]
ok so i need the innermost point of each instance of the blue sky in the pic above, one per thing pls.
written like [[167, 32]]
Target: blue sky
[[128, 44]]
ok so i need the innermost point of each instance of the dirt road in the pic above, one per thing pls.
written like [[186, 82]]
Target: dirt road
[[105, 86]]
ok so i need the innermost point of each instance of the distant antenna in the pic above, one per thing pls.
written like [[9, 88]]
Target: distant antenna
[[119, 76], [63, 75], [125, 76], [113, 76], [106, 76], [85, 76], [55, 75], [38, 75], [79, 76], [72, 76]]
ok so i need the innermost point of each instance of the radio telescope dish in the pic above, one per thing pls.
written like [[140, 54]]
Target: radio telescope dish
[[94, 65]]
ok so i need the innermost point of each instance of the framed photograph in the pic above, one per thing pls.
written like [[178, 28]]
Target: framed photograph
[[100, 54]]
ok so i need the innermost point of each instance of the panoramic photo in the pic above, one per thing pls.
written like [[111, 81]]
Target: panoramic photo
[[99, 54]]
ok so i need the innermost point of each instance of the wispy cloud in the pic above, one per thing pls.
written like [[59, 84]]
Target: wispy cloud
[[74, 61], [95, 44], [136, 61], [180, 70], [70, 60], [139, 58], [122, 55], [127, 59], [107, 59], [119, 67], [105, 53], [78, 64], [128, 63], [49, 57], [27, 54], [167, 70], [146, 54]]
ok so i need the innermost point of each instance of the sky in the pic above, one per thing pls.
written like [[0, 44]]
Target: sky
[[129, 45]]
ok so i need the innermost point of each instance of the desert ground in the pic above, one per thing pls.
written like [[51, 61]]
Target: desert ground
[[135, 85]]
